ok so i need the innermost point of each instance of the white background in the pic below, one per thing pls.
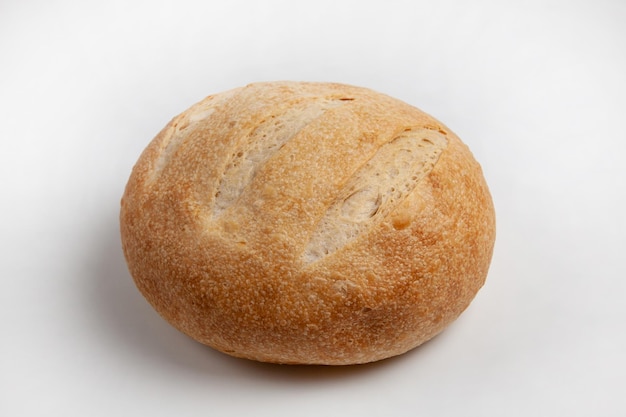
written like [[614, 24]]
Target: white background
[[537, 89]]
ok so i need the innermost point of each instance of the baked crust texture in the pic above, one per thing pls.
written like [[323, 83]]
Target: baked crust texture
[[307, 223]]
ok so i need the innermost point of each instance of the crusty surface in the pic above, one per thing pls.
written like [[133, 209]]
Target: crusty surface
[[307, 223]]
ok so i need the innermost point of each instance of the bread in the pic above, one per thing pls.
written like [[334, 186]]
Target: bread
[[307, 223]]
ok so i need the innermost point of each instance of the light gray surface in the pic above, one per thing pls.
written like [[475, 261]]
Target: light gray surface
[[536, 89]]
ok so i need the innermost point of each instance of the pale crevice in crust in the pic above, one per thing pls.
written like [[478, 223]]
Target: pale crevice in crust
[[262, 143], [375, 189], [178, 128]]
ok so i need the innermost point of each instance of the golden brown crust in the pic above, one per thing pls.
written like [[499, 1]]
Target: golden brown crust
[[270, 223]]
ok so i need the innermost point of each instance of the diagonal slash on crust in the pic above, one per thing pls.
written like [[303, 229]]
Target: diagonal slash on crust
[[262, 143], [375, 189]]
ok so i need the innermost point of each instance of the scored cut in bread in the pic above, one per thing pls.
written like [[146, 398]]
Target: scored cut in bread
[[307, 223]]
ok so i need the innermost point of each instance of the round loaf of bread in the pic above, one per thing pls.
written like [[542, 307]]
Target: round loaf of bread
[[307, 223]]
